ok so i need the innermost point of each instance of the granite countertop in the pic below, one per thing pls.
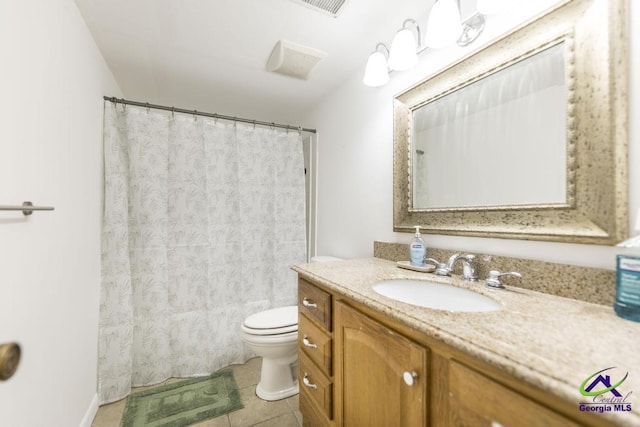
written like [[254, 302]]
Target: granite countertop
[[551, 342]]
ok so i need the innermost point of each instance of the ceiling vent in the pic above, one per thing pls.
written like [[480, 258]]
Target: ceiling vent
[[292, 59], [330, 7]]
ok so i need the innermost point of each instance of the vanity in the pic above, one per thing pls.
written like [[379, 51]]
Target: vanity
[[369, 360]]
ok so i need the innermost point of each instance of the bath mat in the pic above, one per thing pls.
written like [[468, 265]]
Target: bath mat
[[183, 403]]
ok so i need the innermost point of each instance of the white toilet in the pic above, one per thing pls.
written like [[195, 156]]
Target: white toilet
[[273, 335]]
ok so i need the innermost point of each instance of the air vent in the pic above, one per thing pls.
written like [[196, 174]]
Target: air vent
[[331, 7], [293, 59]]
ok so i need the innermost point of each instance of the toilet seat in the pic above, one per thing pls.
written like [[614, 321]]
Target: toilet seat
[[277, 321]]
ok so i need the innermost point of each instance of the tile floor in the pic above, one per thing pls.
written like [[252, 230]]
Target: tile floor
[[256, 412]]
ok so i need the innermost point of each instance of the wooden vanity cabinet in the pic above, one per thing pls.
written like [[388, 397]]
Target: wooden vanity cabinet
[[371, 363], [353, 364]]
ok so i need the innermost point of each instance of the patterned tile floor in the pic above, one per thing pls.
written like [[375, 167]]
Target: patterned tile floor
[[256, 412]]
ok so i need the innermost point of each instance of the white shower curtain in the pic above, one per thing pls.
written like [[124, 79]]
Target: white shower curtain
[[202, 220]]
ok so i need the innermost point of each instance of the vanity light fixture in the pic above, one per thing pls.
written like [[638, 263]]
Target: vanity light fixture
[[404, 47], [443, 27], [376, 72]]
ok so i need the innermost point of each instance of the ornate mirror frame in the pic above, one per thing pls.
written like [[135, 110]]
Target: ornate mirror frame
[[595, 37]]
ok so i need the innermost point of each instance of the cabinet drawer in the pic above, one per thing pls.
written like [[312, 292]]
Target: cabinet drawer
[[311, 415], [315, 303], [315, 343], [478, 400], [315, 385]]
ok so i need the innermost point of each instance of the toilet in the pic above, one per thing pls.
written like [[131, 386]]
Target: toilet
[[273, 335]]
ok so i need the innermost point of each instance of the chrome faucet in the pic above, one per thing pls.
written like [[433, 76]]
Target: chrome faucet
[[493, 281], [469, 269]]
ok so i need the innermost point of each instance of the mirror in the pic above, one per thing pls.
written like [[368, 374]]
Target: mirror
[[525, 138], [509, 123]]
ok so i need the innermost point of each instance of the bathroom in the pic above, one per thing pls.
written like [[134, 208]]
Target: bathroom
[[54, 78]]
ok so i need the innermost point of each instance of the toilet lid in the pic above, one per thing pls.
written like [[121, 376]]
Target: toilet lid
[[277, 320]]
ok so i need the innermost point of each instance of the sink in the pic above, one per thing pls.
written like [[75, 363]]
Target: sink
[[439, 296]]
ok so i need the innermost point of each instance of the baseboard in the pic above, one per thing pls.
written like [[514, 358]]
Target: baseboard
[[91, 412]]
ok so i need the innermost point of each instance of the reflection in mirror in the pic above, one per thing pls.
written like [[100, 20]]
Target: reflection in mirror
[[526, 138], [498, 141]]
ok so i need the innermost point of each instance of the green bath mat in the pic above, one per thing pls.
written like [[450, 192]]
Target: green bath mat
[[183, 403]]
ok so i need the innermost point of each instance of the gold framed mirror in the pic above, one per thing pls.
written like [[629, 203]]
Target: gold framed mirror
[[525, 139]]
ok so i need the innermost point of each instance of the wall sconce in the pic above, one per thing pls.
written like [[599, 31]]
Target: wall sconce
[[376, 72], [443, 27], [404, 48]]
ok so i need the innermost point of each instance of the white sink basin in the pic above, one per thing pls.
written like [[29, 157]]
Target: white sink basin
[[434, 295]]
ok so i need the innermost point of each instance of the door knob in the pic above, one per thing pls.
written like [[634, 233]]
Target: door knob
[[9, 360]]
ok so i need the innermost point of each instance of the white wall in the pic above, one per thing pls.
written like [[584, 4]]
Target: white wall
[[355, 144], [52, 79]]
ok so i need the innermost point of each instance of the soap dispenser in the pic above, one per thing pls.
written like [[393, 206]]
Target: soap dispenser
[[417, 249]]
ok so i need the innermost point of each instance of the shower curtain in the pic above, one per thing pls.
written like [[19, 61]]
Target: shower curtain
[[202, 220]]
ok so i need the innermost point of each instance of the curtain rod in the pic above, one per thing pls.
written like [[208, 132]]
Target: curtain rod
[[200, 113]]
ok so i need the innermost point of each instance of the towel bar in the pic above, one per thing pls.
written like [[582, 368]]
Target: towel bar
[[27, 208]]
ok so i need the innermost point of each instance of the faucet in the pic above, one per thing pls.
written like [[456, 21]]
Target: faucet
[[469, 269], [494, 282]]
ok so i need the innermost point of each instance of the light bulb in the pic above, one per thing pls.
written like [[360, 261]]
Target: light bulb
[[444, 26], [376, 72], [404, 51]]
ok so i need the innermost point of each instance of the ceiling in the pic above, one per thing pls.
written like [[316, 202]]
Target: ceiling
[[210, 55]]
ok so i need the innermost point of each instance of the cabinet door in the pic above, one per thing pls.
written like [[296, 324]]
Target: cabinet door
[[476, 400], [370, 365]]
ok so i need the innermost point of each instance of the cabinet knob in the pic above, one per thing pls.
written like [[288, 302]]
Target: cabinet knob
[[307, 303], [308, 343], [410, 377], [9, 360], [308, 383]]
